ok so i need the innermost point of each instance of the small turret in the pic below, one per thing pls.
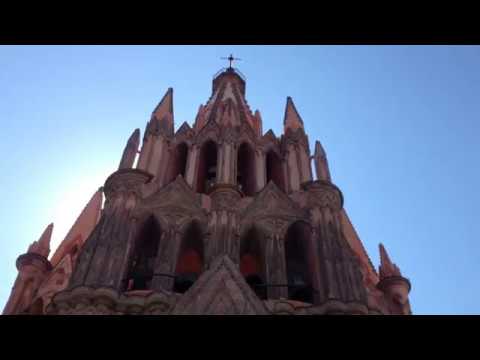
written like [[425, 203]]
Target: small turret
[[393, 284], [33, 267]]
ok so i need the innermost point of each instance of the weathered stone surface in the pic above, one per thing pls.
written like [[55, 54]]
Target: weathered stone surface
[[216, 219]]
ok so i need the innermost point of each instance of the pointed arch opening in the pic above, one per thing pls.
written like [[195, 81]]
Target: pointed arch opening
[[141, 270], [207, 167], [246, 169], [274, 170], [252, 264], [298, 262], [180, 160], [190, 259]]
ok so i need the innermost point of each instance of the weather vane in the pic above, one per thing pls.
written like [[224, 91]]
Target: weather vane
[[230, 59]]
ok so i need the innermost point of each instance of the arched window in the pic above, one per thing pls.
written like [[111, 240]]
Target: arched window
[[274, 169], [252, 264], [190, 259], [146, 247], [299, 265], [207, 167], [180, 160], [246, 169]]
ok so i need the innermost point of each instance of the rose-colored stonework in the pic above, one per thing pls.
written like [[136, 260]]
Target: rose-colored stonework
[[215, 218]]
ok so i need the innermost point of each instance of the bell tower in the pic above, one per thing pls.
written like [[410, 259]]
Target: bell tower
[[219, 217]]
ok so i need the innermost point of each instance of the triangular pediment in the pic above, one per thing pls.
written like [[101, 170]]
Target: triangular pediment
[[185, 132], [273, 206], [176, 195], [221, 290], [270, 138], [184, 128], [210, 130]]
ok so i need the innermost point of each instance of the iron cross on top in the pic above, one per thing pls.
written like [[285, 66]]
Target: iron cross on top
[[230, 59]]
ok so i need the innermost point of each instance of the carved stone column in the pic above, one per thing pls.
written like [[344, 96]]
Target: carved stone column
[[260, 170], [166, 260], [192, 164], [293, 168], [223, 222], [276, 267]]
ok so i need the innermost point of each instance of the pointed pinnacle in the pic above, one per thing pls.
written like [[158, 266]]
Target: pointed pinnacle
[[165, 105], [135, 137], [319, 151], [46, 236], [291, 114], [384, 258]]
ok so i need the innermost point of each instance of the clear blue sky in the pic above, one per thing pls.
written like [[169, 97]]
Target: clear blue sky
[[400, 125]]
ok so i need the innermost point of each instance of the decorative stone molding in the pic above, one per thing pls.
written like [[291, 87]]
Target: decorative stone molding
[[126, 181], [225, 197], [330, 307], [295, 137], [85, 300]]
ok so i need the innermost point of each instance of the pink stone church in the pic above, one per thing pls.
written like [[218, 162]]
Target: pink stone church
[[217, 218]]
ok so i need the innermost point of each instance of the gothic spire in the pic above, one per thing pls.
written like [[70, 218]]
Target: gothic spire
[[162, 116], [130, 152], [292, 119], [42, 245]]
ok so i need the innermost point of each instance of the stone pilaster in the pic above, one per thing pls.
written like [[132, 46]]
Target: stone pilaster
[[192, 165], [276, 269], [224, 223]]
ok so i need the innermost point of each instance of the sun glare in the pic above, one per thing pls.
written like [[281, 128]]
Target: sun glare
[[70, 202]]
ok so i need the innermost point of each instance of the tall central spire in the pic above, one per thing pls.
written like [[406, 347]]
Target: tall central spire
[[227, 105]]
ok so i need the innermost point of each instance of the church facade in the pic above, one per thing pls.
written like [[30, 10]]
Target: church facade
[[214, 218]]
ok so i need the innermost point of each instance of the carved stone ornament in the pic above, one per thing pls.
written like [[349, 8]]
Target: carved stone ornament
[[225, 197], [85, 300], [126, 181], [323, 194]]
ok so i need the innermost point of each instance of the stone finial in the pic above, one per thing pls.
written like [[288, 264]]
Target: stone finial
[[387, 268], [130, 152], [42, 245], [393, 284], [292, 119]]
